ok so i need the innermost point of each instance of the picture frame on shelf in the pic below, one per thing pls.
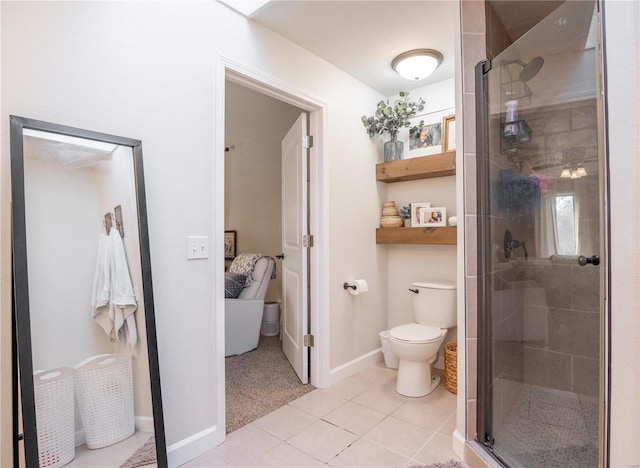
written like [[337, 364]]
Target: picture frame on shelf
[[434, 217], [230, 244], [417, 211], [428, 137], [449, 133]]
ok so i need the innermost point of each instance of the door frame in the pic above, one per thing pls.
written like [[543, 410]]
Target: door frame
[[227, 68]]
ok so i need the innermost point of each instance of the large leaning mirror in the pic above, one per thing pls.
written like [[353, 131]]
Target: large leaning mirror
[[83, 303]]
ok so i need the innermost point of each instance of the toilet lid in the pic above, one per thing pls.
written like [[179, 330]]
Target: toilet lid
[[415, 333]]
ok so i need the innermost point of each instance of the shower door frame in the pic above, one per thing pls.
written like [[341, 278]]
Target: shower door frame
[[484, 364]]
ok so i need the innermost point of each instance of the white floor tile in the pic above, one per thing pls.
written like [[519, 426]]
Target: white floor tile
[[360, 422], [437, 450], [384, 399], [322, 440], [399, 436], [354, 417], [377, 374], [210, 459], [448, 427], [364, 453], [318, 403], [349, 387], [112, 455], [285, 422], [426, 416], [284, 455], [245, 445]]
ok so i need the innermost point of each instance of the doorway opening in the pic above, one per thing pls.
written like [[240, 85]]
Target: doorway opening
[[258, 114]]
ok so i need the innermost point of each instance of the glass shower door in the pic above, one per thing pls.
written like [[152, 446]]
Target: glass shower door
[[542, 243]]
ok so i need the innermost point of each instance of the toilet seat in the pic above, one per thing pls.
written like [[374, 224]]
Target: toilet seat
[[415, 333]]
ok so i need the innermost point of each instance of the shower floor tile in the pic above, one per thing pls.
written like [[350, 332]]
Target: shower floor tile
[[548, 427]]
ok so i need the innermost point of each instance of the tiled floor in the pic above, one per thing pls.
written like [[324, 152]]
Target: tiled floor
[[113, 455], [360, 422]]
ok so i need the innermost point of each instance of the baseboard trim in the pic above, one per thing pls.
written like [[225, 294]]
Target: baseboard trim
[[458, 442], [193, 446], [144, 424], [354, 366]]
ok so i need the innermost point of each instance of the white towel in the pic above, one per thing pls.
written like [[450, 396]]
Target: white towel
[[102, 287], [113, 298], [123, 297]]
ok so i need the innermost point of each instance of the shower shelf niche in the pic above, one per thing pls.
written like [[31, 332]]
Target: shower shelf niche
[[424, 167]]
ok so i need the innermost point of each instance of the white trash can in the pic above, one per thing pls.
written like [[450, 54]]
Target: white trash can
[[390, 358], [271, 319], [53, 391]]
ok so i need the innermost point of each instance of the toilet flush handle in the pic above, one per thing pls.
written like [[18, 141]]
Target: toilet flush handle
[[414, 290]]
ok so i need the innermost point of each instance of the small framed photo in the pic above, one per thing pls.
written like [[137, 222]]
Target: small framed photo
[[417, 210], [427, 139], [434, 217], [230, 244], [449, 133]]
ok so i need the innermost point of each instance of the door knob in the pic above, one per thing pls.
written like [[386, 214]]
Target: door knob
[[594, 260], [281, 256]]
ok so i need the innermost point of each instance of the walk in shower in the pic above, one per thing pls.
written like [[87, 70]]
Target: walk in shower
[[542, 245]]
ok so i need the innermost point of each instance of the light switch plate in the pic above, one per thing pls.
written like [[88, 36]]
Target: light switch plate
[[197, 247]]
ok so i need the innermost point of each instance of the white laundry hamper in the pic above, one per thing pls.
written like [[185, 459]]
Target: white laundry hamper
[[53, 391], [104, 390]]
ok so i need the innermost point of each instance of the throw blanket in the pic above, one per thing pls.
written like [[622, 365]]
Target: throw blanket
[[245, 263]]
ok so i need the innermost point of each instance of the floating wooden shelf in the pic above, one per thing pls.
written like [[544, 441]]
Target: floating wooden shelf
[[424, 167], [446, 235]]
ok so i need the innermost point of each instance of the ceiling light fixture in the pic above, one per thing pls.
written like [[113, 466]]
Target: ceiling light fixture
[[575, 172], [417, 64]]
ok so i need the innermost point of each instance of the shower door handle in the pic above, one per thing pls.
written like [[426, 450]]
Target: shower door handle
[[594, 260]]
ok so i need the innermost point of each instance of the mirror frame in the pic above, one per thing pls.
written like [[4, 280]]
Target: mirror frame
[[21, 287]]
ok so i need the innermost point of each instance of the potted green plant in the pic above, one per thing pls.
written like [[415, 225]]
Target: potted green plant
[[405, 214], [391, 118]]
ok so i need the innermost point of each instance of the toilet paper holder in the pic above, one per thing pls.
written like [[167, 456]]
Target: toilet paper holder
[[356, 287]]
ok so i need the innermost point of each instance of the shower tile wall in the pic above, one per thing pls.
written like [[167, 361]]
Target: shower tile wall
[[544, 320]]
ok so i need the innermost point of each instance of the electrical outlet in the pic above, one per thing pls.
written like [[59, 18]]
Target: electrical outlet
[[197, 247]]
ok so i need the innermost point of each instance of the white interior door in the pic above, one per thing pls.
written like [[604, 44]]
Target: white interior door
[[294, 263]]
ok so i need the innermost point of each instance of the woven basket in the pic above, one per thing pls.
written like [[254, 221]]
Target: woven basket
[[451, 367], [53, 391], [389, 211], [391, 221], [104, 389]]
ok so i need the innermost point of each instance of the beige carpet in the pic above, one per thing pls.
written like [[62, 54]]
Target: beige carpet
[[259, 382]]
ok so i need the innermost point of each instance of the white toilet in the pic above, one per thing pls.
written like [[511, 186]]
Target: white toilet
[[417, 344]]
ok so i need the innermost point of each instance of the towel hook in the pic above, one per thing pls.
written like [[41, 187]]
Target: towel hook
[[118, 219], [108, 222]]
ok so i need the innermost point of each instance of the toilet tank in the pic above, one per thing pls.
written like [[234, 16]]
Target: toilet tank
[[435, 303]]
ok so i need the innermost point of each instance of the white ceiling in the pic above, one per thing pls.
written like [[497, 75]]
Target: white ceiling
[[68, 151], [363, 37]]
